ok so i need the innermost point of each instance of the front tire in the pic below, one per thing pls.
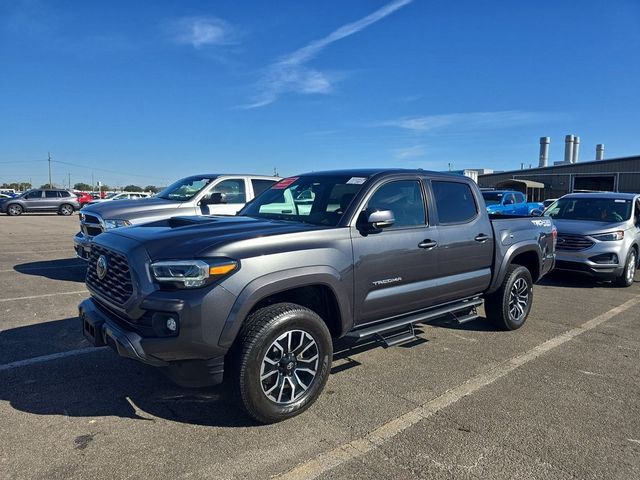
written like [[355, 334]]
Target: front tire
[[629, 272], [281, 362], [66, 210], [14, 210], [509, 307]]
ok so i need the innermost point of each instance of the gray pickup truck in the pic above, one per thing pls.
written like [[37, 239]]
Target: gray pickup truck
[[209, 194], [356, 254]]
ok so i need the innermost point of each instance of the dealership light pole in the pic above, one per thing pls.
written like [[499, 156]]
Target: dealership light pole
[[49, 159]]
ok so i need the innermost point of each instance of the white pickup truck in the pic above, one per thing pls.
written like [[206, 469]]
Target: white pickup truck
[[212, 194]]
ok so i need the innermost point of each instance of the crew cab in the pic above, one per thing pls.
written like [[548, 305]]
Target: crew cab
[[256, 299], [211, 194], [510, 202]]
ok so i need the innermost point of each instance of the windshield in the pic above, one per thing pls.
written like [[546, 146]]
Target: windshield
[[606, 210], [316, 199], [492, 198], [185, 188]]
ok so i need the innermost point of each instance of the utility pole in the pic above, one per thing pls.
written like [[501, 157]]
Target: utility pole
[[49, 159], [93, 184], [69, 173]]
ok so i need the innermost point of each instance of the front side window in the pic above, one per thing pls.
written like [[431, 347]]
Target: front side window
[[33, 195], [455, 202], [315, 199], [232, 190], [185, 188], [404, 199]]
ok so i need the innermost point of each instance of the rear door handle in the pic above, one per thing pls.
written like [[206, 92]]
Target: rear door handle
[[428, 244], [481, 238]]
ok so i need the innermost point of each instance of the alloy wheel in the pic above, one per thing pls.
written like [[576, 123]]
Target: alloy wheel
[[289, 367], [630, 270], [518, 299]]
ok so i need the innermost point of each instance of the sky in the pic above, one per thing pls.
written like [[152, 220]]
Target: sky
[[149, 91]]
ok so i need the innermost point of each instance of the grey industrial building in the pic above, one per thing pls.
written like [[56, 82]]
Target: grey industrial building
[[613, 175]]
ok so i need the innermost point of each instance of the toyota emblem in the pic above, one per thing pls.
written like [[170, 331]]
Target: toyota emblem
[[101, 267]]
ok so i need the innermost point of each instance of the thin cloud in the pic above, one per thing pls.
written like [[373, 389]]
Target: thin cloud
[[290, 73], [414, 151], [202, 31], [465, 121]]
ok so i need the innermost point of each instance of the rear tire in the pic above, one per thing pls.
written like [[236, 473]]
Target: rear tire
[[630, 266], [66, 210], [281, 361], [14, 210], [509, 307]]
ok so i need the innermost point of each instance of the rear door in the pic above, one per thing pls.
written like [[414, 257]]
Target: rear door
[[394, 267], [521, 206], [51, 200], [465, 249]]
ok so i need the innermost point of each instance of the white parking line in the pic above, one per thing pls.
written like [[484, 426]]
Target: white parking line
[[48, 358], [70, 250], [333, 458], [32, 297]]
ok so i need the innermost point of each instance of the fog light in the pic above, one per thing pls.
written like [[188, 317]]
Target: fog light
[[172, 326]]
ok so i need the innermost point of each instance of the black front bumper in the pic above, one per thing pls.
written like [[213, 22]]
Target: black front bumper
[[100, 332], [604, 272]]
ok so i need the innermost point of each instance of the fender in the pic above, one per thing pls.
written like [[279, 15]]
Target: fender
[[513, 251], [276, 282]]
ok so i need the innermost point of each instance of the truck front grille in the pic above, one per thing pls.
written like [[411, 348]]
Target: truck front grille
[[90, 225], [573, 243], [116, 285]]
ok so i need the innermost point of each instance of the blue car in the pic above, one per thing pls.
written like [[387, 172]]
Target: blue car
[[510, 202]]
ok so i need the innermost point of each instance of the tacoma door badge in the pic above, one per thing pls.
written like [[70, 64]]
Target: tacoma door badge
[[387, 280]]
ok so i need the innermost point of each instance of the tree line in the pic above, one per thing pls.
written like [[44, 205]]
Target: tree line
[[85, 187]]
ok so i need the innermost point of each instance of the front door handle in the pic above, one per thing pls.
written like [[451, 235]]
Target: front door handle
[[428, 244], [481, 238]]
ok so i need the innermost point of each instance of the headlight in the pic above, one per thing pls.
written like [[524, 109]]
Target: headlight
[[109, 224], [609, 237], [191, 273]]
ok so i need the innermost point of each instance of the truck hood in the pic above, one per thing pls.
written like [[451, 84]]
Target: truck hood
[[580, 227], [128, 209], [190, 237]]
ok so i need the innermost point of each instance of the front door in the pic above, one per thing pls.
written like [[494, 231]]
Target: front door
[[233, 194], [395, 266], [34, 201]]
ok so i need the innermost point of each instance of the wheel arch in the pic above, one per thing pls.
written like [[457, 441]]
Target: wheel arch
[[526, 255], [320, 289]]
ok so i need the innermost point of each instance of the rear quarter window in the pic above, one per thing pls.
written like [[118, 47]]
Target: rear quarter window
[[260, 185], [455, 202]]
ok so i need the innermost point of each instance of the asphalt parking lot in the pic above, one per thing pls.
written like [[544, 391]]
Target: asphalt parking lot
[[559, 398]]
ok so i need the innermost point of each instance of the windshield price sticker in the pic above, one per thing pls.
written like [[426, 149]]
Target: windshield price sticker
[[356, 180], [282, 184]]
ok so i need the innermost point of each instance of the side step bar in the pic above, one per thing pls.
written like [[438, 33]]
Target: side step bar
[[397, 331]]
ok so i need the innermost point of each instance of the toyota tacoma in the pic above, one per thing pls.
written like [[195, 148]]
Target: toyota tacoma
[[257, 299]]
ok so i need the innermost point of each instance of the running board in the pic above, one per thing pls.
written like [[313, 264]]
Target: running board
[[397, 337], [386, 329]]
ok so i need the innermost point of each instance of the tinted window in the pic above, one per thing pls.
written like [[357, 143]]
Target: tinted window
[[520, 198], [50, 194], [260, 186], [404, 199], [34, 194], [64, 193], [233, 190], [454, 201], [492, 198]]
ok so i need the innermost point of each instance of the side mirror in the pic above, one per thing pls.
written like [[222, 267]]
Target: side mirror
[[536, 213], [214, 199], [380, 219]]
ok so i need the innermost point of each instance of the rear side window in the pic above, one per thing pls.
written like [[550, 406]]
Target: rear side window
[[260, 186], [64, 194], [519, 198], [455, 202], [50, 194]]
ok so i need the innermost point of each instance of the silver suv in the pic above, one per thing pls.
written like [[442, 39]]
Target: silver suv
[[598, 234], [212, 194], [60, 201]]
